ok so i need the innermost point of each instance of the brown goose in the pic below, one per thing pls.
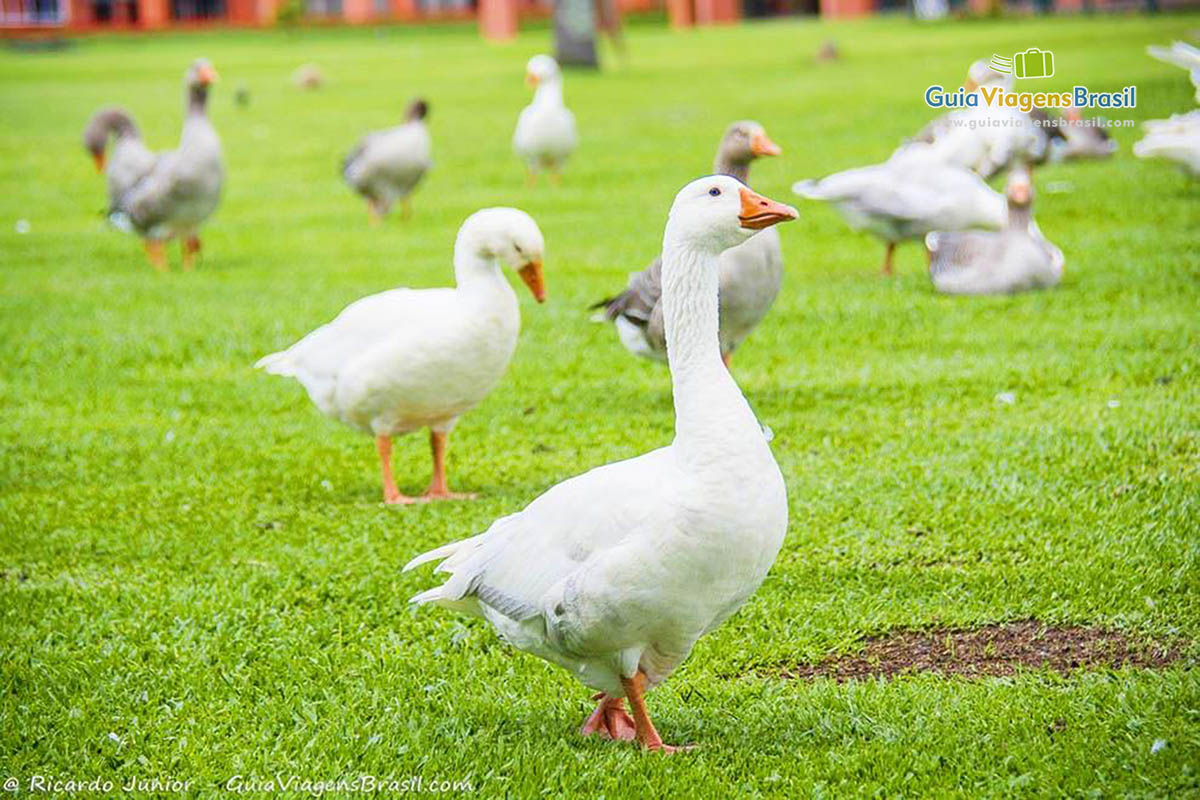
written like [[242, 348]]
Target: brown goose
[[171, 194], [750, 274], [1015, 259], [387, 165]]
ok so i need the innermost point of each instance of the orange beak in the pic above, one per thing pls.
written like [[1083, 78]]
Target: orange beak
[[761, 145], [531, 273], [759, 212], [207, 75], [1019, 193], [970, 85], [531, 79], [99, 159]]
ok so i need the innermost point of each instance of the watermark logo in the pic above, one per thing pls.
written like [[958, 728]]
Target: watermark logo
[[1033, 63]]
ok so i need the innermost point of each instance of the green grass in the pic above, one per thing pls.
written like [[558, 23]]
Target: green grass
[[197, 578]]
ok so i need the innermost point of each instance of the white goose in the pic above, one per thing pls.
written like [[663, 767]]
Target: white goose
[[545, 136], [615, 574], [908, 196], [407, 359]]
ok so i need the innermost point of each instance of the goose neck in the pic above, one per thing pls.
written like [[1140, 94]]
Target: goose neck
[[549, 92], [725, 164], [709, 407], [197, 104]]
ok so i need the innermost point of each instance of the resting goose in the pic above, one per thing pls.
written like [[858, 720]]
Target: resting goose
[[407, 359], [545, 136], [909, 196], [387, 165], [750, 274], [1081, 138], [169, 195], [1015, 259], [616, 573]]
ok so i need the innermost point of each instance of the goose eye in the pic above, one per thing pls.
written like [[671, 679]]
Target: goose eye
[[714, 191]]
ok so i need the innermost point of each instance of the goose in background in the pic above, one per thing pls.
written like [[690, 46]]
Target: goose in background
[[750, 274], [908, 196], [387, 165], [1081, 138], [169, 195], [1182, 55], [407, 359], [1175, 139], [616, 573], [1015, 259], [545, 136]]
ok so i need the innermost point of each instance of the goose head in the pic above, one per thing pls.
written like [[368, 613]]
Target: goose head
[[745, 141], [200, 74], [715, 213], [542, 69], [981, 74], [510, 237], [417, 110], [1019, 189]]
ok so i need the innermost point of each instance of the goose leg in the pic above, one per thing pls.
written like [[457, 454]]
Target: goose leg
[[438, 490], [191, 246], [373, 213], [610, 719], [156, 254], [391, 495], [635, 690], [405, 208], [887, 258]]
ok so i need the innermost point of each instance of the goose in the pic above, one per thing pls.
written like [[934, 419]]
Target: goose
[[407, 359], [616, 573], [909, 196], [750, 274], [986, 262], [545, 136], [1182, 55], [169, 195], [1081, 138], [1176, 139], [387, 165], [129, 159]]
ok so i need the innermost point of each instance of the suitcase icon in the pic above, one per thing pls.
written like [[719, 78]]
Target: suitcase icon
[[1033, 63]]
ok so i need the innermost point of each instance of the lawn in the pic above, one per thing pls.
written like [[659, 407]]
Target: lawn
[[197, 578]]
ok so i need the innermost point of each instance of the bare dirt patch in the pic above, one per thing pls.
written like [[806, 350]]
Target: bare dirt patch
[[995, 650]]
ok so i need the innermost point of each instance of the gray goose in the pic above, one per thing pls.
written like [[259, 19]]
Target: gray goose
[[387, 165], [750, 274], [171, 194], [1015, 259]]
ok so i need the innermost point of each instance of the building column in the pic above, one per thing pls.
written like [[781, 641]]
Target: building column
[[357, 11], [679, 13], [404, 9], [498, 19], [154, 14], [847, 8], [715, 12]]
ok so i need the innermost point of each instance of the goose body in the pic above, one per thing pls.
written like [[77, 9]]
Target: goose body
[[545, 136], [1015, 259], [128, 160], [172, 194], [750, 274], [908, 196], [386, 166], [1176, 139], [1182, 55], [616, 573], [407, 359]]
